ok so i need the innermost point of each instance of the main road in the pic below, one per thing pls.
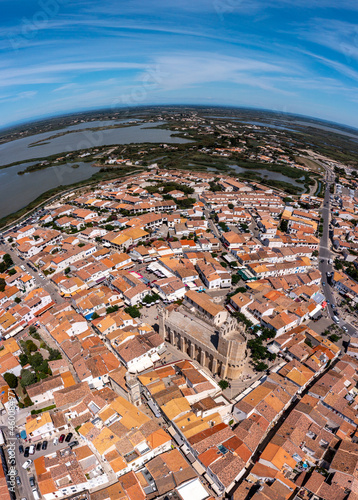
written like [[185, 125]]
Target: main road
[[42, 282], [325, 256]]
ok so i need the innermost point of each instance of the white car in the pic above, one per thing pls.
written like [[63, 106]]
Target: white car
[[55, 441], [26, 464]]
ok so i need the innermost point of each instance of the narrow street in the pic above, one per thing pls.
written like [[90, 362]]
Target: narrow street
[[276, 426]]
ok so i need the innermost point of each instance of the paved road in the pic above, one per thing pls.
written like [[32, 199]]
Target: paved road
[[45, 283], [325, 255], [24, 490]]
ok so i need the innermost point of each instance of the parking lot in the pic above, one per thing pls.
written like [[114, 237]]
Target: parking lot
[[24, 489]]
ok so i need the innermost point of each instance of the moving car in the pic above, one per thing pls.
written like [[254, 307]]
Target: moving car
[[26, 464], [336, 319], [345, 328]]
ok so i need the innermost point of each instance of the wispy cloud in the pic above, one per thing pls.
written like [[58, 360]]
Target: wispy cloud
[[282, 54]]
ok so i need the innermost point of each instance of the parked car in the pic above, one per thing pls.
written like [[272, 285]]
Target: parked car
[[26, 452], [44, 445], [35, 494], [68, 437], [55, 441], [26, 464], [62, 437], [32, 449], [21, 449], [73, 444], [38, 446], [18, 480], [32, 481]]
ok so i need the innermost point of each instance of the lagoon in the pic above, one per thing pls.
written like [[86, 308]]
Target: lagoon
[[26, 149]]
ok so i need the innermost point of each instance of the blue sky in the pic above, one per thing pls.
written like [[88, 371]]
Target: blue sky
[[296, 56]]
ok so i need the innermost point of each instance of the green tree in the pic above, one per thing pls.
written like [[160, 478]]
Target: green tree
[[261, 367], [54, 354], [11, 380], [235, 278], [32, 330], [334, 337], [23, 359], [27, 378], [35, 360], [17, 300], [112, 309], [223, 384], [30, 346], [95, 316], [2, 284], [6, 263], [283, 225], [132, 311]]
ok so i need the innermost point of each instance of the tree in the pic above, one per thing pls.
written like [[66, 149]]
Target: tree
[[112, 309], [11, 380], [54, 354], [32, 330], [261, 367], [338, 265], [17, 300], [30, 346], [283, 225], [67, 270], [334, 337], [6, 263], [132, 311], [95, 316], [235, 279], [23, 359], [35, 360], [231, 206], [27, 378], [2, 284], [223, 384]]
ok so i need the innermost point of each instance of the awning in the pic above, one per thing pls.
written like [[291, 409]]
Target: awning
[[142, 365]]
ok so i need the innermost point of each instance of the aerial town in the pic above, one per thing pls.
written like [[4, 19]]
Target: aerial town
[[183, 335]]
